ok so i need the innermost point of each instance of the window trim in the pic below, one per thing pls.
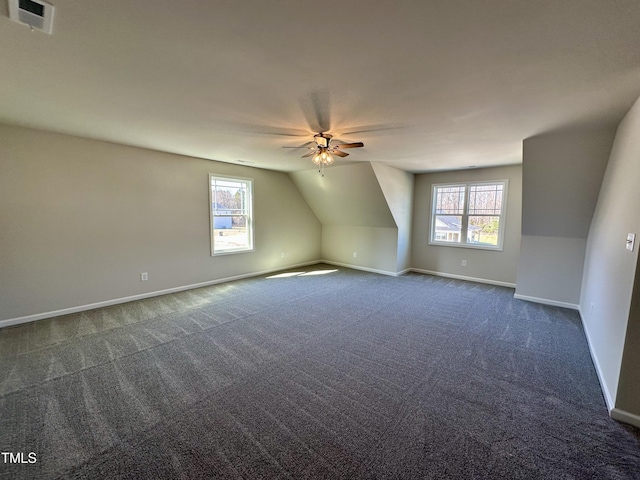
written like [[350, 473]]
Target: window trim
[[465, 215], [249, 215]]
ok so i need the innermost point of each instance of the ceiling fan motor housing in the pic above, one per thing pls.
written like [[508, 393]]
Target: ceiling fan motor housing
[[322, 139]]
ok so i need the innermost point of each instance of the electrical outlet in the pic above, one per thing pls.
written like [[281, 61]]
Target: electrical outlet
[[464, 263], [355, 254], [282, 255], [144, 277]]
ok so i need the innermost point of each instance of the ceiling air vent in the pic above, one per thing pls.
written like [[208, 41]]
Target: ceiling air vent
[[38, 15]]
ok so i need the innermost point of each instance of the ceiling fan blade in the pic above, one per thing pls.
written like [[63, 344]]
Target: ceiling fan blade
[[374, 128], [244, 128], [304, 145], [349, 145], [312, 152], [339, 153]]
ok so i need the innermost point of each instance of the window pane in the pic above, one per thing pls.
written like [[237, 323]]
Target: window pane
[[229, 197], [485, 199], [231, 215], [230, 233], [448, 228], [483, 230], [450, 200], [469, 214]]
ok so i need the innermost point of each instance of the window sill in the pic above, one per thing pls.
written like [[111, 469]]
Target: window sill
[[232, 252], [490, 248]]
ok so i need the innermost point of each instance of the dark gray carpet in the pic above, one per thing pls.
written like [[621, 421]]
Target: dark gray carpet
[[345, 375]]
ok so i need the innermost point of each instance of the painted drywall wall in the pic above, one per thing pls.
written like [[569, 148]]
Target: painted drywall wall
[[560, 261], [397, 188], [355, 216], [369, 248], [628, 397], [81, 219], [561, 177], [346, 195], [494, 266], [609, 271]]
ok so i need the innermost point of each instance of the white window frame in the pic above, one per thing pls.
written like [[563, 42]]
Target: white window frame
[[248, 214], [465, 215]]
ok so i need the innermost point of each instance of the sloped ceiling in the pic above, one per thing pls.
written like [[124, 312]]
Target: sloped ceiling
[[427, 85], [347, 195]]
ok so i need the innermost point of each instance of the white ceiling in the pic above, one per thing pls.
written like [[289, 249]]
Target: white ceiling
[[444, 84]]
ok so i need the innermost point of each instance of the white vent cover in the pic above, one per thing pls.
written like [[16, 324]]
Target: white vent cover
[[38, 15]]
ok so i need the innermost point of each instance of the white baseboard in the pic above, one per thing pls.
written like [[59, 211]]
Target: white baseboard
[[546, 301], [359, 267], [365, 269], [81, 308], [462, 277], [615, 413], [608, 399], [626, 417]]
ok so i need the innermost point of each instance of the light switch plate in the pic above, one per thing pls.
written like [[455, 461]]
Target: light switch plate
[[631, 241]]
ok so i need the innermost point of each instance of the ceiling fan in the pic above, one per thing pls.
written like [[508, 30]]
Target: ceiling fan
[[322, 151]]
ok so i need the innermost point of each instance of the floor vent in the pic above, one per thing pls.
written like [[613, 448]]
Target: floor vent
[[36, 14]]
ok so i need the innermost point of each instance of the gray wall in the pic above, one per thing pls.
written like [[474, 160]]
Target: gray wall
[[561, 176], [484, 265], [397, 187], [628, 398], [355, 216], [347, 195], [550, 270], [609, 299], [80, 219], [375, 247]]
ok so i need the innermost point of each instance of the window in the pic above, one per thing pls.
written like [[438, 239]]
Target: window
[[231, 215], [469, 214]]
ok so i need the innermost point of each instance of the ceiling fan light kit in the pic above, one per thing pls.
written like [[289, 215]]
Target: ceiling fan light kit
[[323, 151], [322, 158]]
